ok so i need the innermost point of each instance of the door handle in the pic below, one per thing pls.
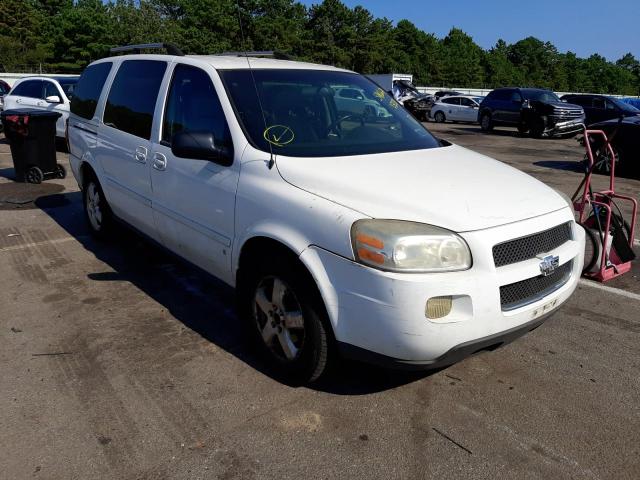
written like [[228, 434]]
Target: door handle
[[141, 155], [18, 101], [159, 161]]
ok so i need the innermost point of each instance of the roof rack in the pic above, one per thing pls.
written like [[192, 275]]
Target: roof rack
[[261, 53], [169, 47]]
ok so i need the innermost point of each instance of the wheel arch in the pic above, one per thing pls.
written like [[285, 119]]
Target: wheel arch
[[254, 246]]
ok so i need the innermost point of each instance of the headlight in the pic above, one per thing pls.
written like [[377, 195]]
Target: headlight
[[401, 246]]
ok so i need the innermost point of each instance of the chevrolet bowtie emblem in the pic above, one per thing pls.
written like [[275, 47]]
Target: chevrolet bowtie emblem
[[549, 264]]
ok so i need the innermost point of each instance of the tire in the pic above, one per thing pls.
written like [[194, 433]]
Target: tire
[[603, 161], [593, 243], [96, 209], [286, 318], [537, 127], [486, 124], [523, 128], [61, 172], [591, 249], [34, 175], [439, 117]]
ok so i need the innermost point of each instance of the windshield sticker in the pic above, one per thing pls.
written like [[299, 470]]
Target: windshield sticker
[[278, 135], [393, 103], [379, 93]]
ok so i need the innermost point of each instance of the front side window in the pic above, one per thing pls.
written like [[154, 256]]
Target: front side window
[[467, 102], [50, 90], [193, 106], [87, 91], [300, 117], [29, 88], [133, 95]]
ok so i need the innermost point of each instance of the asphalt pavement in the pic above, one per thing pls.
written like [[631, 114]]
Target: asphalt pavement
[[119, 362]]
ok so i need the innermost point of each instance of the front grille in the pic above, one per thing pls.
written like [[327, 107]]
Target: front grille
[[524, 248], [567, 114], [519, 294]]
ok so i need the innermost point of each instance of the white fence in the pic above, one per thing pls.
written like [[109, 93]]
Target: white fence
[[11, 78], [482, 92]]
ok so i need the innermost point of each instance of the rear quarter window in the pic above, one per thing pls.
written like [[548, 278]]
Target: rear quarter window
[[133, 97], [87, 91]]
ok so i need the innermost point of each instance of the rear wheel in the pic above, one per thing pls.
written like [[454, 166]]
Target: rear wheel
[[96, 209], [439, 117], [602, 160], [486, 124], [286, 317], [523, 128]]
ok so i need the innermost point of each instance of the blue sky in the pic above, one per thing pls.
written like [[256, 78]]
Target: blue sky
[[608, 27]]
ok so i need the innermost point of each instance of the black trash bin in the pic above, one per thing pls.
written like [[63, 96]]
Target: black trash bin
[[32, 138]]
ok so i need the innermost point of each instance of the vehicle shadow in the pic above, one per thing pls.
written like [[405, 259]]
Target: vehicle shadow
[[570, 166], [8, 173], [196, 299]]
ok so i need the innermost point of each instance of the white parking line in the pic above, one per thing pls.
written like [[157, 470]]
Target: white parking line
[[616, 291], [24, 246]]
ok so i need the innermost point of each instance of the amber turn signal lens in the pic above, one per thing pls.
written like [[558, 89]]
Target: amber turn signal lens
[[371, 256], [371, 241], [438, 307]]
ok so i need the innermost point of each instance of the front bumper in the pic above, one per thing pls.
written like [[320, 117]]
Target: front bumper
[[383, 313], [568, 126], [454, 355]]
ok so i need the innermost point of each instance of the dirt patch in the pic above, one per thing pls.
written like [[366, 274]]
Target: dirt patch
[[23, 196]]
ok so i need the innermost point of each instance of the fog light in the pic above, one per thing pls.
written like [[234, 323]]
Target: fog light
[[438, 307]]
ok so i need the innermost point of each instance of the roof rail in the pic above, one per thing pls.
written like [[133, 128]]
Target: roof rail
[[169, 47], [261, 53]]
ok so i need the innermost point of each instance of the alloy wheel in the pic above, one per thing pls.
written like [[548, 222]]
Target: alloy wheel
[[279, 318]]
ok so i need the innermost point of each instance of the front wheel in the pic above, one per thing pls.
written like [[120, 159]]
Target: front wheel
[[537, 127], [486, 124], [287, 319]]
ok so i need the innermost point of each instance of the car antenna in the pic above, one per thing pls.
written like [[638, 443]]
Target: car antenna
[[272, 160]]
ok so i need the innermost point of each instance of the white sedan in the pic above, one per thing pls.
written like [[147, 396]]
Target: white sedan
[[43, 93], [456, 109]]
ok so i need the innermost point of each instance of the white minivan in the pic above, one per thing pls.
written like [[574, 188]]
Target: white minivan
[[343, 234]]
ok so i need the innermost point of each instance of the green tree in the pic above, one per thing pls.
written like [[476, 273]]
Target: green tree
[[22, 43], [462, 60]]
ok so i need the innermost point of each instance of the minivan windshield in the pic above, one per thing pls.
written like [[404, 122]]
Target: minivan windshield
[[540, 96], [304, 116]]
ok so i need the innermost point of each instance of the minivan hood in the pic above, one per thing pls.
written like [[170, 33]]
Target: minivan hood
[[450, 187]]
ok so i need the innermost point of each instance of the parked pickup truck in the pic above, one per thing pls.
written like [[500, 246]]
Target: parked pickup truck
[[539, 112]]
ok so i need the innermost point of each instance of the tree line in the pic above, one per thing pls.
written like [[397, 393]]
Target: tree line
[[63, 36]]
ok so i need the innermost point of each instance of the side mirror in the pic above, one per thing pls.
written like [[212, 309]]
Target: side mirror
[[200, 146], [53, 99]]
